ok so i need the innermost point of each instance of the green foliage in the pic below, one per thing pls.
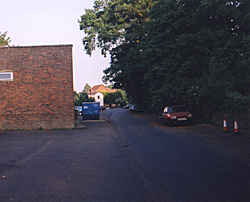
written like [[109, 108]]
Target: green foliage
[[110, 86], [205, 49], [194, 52], [105, 26], [87, 87], [4, 39], [118, 98], [79, 98]]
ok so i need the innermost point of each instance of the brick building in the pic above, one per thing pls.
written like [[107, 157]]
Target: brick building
[[36, 87]]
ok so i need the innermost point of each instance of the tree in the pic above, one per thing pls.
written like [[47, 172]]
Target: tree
[[79, 98], [201, 52], [195, 52], [4, 39], [192, 52], [113, 25], [118, 98], [105, 26], [87, 87], [76, 98]]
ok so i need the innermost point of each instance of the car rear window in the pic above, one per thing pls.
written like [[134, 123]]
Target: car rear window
[[179, 109]]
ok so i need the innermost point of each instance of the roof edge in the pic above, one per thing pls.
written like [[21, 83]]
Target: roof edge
[[38, 46]]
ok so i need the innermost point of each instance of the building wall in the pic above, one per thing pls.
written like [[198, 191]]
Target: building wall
[[99, 98], [41, 93]]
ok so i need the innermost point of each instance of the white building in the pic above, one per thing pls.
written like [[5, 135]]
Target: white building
[[99, 97], [97, 91]]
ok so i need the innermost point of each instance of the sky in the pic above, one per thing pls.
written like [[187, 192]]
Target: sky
[[53, 22]]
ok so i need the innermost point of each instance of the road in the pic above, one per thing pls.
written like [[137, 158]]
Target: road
[[126, 158], [178, 165]]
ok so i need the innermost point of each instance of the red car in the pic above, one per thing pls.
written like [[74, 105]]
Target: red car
[[176, 114]]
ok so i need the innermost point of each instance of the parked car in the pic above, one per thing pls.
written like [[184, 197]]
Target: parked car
[[131, 107], [113, 105], [78, 110], [176, 114], [135, 108], [126, 106]]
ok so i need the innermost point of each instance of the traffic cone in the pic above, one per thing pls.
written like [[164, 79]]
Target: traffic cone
[[225, 126], [236, 128]]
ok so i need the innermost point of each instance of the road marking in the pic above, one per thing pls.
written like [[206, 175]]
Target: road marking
[[29, 157]]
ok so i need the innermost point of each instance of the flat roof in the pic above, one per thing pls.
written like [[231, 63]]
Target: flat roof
[[37, 46]]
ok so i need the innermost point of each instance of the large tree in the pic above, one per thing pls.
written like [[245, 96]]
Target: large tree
[[107, 25], [202, 52], [194, 51], [113, 25], [4, 39]]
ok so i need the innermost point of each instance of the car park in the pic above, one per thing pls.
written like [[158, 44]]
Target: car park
[[176, 114]]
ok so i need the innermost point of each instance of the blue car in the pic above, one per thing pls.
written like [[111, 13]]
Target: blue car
[[90, 110]]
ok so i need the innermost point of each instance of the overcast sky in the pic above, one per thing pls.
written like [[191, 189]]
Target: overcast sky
[[50, 22]]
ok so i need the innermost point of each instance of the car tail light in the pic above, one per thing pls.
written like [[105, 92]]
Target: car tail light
[[168, 115], [189, 115]]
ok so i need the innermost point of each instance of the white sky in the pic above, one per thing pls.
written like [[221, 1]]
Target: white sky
[[52, 22]]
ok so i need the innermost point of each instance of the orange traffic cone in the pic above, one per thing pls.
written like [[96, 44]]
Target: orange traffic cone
[[225, 126], [236, 127]]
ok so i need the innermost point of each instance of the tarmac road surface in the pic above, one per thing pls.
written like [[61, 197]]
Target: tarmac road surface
[[123, 159]]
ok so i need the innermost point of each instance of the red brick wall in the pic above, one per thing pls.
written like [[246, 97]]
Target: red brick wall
[[41, 93]]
